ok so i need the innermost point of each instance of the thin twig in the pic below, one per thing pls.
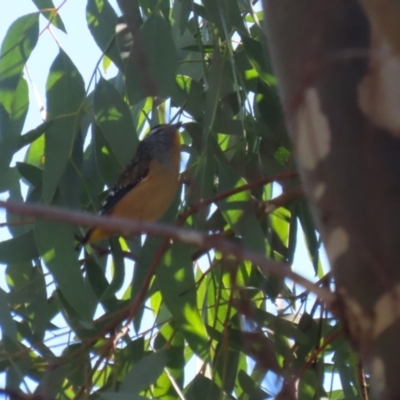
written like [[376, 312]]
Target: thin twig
[[318, 351], [56, 11], [223, 195], [133, 308], [264, 208], [362, 382]]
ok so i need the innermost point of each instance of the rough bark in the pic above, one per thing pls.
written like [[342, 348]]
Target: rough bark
[[339, 75]]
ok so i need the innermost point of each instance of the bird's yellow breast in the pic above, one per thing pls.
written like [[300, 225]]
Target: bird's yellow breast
[[151, 197]]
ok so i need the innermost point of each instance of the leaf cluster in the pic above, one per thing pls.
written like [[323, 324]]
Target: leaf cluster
[[208, 326]]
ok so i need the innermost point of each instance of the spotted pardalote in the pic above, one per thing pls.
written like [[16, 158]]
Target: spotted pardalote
[[147, 186]]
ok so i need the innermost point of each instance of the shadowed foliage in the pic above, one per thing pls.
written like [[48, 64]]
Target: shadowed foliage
[[144, 317]]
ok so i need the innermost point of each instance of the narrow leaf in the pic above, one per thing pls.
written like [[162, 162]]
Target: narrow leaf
[[48, 10], [175, 279], [115, 122], [7, 323], [65, 96], [102, 22], [56, 245], [19, 249], [11, 124], [20, 40], [152, 62], [144, 373]]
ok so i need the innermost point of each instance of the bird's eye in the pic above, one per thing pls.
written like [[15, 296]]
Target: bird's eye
[[155, 129]]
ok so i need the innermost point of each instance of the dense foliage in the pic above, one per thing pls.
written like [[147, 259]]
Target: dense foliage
[[207, 325]]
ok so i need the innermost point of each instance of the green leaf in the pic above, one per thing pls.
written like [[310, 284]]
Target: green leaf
[[115, 122], [32, 175], [233, 15], [202, 388], [151, 66], [106, 162], [257, 58], [175, 279], [33, 135], [18, 224], [8, 327], [280, 325], [20, 40], [48, 10], [238, 211], [19, 249], [118, 268], [213, 90], [17, 370], [28, 295], [172, 340], [80, 362], [144, 373], [51, 381], [131, 354], [280, 220], [149, 249], [8, 179], [56, 246], [121, 396], [213, 13], [181, 11], [188, 93], [35, 153], [70, 184], [102, 21], [251, 388], [225, 362], [307, 223], [37, 309], [99, 284], [65, 99], [11, 124]]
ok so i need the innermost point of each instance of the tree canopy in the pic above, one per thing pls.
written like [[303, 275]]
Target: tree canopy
[[216, 316]]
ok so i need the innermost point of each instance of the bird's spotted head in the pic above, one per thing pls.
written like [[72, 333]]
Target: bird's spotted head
[[163, 140], [165, 129]]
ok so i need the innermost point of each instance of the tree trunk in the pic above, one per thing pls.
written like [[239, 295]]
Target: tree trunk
[[339, 75]]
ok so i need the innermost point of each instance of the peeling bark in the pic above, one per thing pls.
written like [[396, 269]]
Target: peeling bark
[[339, 74]]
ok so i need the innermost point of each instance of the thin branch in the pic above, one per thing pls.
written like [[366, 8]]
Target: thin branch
[[56, 11], [223, 195], [131, 227], [146, 283], [318, 351], [266, 207], [362, 382], [263, 208]]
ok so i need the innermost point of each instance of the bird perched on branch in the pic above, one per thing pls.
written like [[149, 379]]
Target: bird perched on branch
[[147, 186]]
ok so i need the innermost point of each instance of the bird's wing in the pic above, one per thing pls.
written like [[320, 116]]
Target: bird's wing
[[133, 174]]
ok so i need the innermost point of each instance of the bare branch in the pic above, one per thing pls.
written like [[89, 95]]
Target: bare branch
[[131, 227]]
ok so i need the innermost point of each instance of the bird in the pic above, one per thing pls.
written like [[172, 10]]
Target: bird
[[147, 185]]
